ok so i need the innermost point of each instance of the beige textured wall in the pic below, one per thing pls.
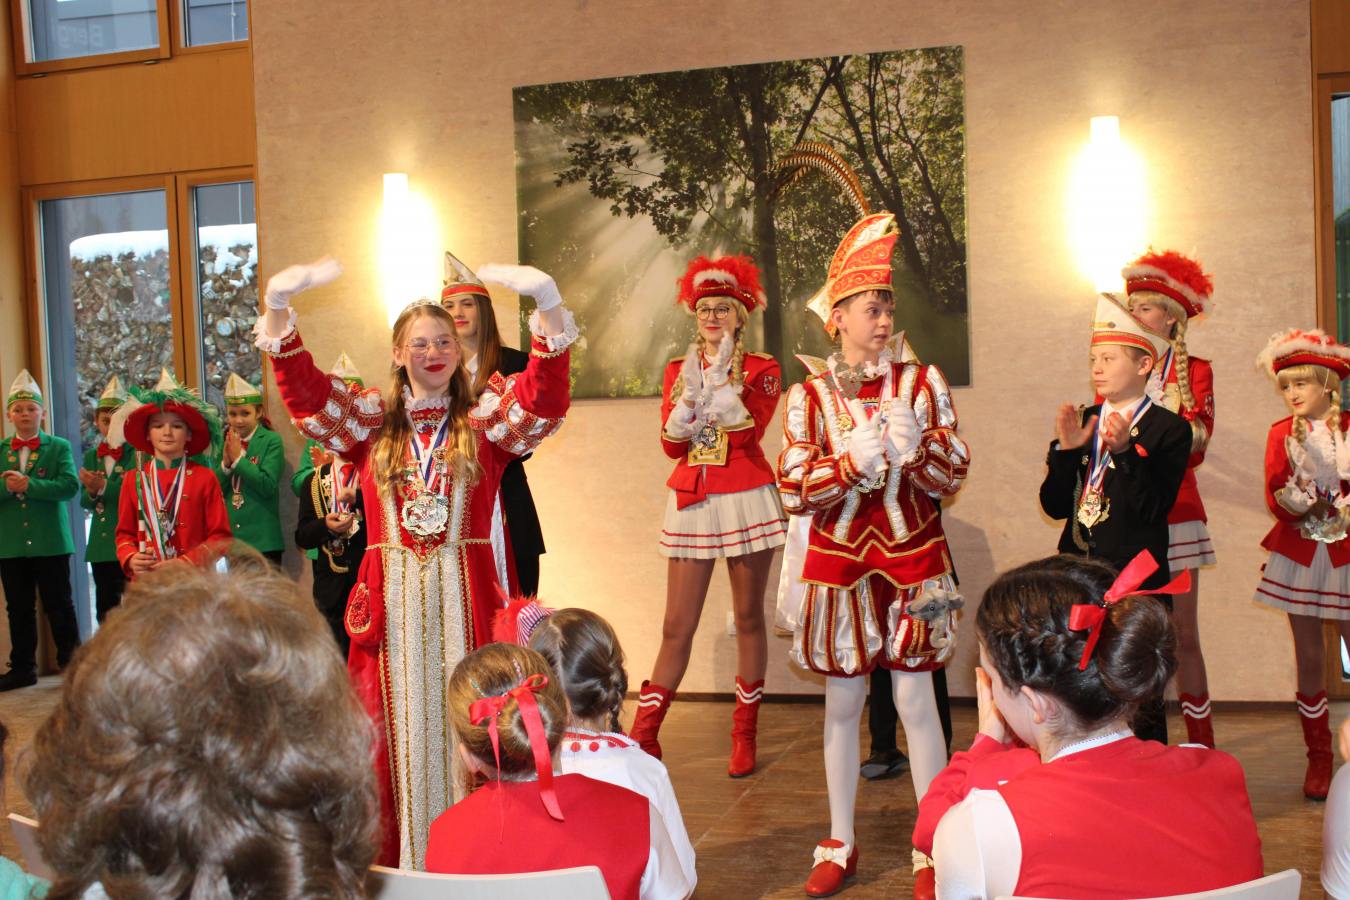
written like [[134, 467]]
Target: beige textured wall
[[1214, 92]]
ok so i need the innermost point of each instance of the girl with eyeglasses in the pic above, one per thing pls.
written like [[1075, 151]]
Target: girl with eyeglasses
[[429, 456], [716, 404]]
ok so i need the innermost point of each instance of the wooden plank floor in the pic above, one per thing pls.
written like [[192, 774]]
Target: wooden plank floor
[[754, 835]]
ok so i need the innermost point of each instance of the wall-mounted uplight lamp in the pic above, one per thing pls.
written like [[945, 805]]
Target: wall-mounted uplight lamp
[[1107, 205], [410, 262]]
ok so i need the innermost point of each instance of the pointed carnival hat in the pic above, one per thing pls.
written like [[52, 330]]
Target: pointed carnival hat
[[459, 280], [345, 369], [239, 392], [734, 277], [169, 396], [862, 261], [1175, 276], [24, 388], [1297, 347], [1113, 324], [113, 396]]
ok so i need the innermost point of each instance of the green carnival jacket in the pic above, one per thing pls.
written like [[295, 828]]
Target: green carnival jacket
[[37, 524], [254, 518], [102, 546]]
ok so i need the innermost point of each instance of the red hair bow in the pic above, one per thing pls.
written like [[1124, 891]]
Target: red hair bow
[[1091, 616], [489, 708]]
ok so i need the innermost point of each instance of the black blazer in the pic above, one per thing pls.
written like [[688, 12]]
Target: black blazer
[[522, 521], [330, 588], [1141, 485]]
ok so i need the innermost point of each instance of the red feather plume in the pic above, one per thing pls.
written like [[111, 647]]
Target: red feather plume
[[1180, 268]]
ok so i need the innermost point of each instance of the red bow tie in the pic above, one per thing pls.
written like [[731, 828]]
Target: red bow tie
[[17, 444], [105, 450]]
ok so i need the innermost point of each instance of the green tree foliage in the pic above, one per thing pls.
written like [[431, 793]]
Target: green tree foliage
[[689, 154]]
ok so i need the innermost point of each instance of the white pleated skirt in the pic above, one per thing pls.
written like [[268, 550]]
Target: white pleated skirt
[[1318, 590], [724, 525], [1189, 547]]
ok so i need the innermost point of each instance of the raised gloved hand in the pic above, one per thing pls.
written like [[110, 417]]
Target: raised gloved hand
[[725, 407], [291, 280], [902, 433], [692, 374], [864, 443], [524, 280]]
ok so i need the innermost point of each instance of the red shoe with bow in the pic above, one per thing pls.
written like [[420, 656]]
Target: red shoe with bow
[[836, 863]]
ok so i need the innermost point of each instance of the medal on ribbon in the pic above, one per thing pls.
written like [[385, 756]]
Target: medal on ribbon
[[426, 509], [1093, 506], [158, 509]]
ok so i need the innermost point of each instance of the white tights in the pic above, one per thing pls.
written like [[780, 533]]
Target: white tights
[[844, 698]]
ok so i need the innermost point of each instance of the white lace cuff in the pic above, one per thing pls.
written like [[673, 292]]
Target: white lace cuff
[[265, 342], [556, 342]]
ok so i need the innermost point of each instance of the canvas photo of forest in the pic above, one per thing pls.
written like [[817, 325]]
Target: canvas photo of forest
[[622, 181]]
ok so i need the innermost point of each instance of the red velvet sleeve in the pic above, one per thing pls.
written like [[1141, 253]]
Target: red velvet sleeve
[[761, 395], [517, 412], [344, 418], [1200, 416], [216, 521], [1278, 470], [673, 448], [128, 521]]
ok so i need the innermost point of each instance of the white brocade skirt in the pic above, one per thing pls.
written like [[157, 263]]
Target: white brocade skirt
[[724, 525], [1319, 590], [1189, 547]]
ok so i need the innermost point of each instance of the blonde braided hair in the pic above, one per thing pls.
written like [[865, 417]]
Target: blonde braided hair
[[1181, 357]]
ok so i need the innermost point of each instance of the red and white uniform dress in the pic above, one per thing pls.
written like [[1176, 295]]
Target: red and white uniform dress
[[874, 547], [1189, 544], [503, 829], [1110, 817], [617, 759], [723, 501], [424, 597], [201, 524], [1307, 572]]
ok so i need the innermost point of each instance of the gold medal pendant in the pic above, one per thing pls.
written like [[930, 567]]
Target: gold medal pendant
[[1093, 509], [708, 447], [237, 500]]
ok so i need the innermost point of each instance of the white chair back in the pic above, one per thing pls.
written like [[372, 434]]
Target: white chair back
[[584, 883], [26, 836], [1280, 886]]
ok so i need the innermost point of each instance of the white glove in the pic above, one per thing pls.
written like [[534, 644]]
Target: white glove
[[525, 280], [681, 423], [692, 370], [1295, 497], [291, 280], [864, 443], [902, 433], [725, 407]]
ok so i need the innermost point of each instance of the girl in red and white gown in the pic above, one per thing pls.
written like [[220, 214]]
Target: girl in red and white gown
[[430, 456]]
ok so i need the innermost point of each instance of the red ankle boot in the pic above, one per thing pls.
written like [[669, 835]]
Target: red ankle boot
[[744, 727], [1199, 724], [1315, 716], [653, 702], [835, 864]]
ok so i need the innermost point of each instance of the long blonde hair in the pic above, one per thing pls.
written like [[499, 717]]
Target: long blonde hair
[[1323, 376], [391, 447], [1181, 357]]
